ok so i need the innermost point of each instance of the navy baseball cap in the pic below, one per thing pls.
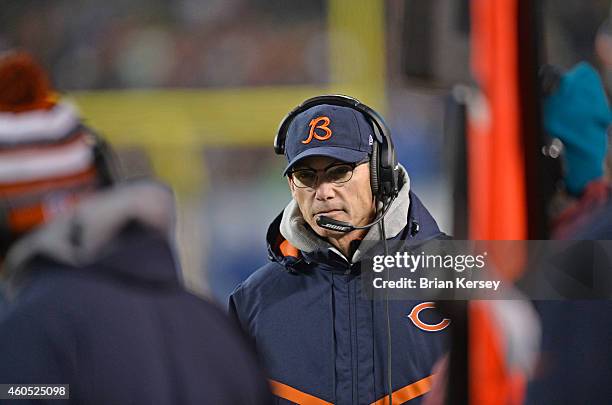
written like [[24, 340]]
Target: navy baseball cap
[[328, 130]]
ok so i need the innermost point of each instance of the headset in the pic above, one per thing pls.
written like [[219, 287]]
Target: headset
[[384, 170], [105, 159]]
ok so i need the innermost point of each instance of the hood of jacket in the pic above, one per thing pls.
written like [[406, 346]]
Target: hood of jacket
[[291, 241], [105, 232]]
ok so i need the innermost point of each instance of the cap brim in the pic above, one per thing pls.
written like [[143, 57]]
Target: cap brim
[[335, 152]]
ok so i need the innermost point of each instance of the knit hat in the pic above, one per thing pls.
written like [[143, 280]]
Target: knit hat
[[48, 158]]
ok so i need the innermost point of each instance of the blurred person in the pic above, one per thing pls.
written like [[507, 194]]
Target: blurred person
[[577, 113], [94, 289], [576, 355], [320, 339], [603, 50]]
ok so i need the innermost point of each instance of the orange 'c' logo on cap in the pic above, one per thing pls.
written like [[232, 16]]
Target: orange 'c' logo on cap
[[315, 123]]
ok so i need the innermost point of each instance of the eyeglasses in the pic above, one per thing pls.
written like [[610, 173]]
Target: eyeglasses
[[338, 174]]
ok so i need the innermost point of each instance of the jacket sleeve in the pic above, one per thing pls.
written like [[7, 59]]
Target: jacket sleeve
[[234, 309]]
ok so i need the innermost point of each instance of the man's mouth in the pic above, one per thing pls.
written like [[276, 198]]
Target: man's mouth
[[329, 213]]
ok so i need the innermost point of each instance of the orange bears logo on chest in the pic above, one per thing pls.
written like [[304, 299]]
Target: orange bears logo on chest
[[414, 316]]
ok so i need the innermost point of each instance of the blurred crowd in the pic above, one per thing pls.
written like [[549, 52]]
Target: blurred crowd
[[164, 43]]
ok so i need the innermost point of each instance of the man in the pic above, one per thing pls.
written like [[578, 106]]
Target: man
[[321, 341], [95, 295]]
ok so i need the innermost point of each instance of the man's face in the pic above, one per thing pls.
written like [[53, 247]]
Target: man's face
[[350, 202]]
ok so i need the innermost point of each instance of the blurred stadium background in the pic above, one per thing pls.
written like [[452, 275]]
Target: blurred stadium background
[[194, 90]]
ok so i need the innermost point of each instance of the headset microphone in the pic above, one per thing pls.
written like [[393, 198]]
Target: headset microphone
[[333, 225], [340, 226]]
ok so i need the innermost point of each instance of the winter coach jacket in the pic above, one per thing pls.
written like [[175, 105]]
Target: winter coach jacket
[[320, 340]]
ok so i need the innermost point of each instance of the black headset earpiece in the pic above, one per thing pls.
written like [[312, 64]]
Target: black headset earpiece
[[105, 160], [388, 169], [384, 170], [374, 182]]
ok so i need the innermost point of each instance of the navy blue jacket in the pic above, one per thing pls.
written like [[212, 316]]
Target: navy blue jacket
[[321, 340], [123, 331], [576, 336]]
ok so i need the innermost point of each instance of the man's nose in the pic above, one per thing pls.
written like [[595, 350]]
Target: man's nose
[[324, 191]]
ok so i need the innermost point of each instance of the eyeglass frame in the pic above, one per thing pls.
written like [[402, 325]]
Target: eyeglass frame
[[318, 179]]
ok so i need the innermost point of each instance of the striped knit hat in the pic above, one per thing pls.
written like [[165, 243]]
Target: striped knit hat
[[48, 158]]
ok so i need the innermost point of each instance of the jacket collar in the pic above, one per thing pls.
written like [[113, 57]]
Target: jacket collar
[[99, 229]]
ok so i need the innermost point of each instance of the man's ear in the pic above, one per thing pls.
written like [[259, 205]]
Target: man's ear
[[291, 186]]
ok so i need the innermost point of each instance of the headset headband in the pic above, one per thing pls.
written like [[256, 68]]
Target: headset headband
[[381, 130]]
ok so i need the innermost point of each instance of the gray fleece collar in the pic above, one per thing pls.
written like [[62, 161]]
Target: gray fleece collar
[[294, 228], [78, 238]]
